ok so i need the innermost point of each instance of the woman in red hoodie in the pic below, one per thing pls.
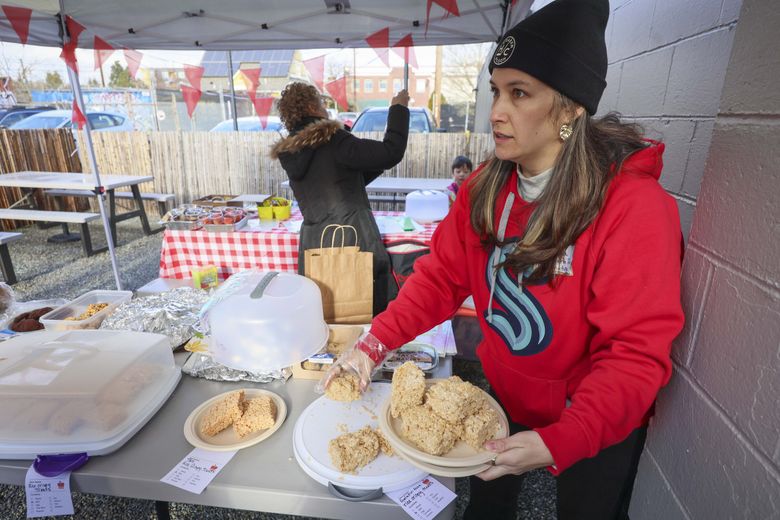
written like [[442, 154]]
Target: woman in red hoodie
[[571, 250]]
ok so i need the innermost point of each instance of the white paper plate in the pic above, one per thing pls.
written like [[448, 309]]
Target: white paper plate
[[227, 439], [460, 456]]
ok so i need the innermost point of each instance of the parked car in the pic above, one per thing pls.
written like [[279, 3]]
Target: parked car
[[348, 118], [14, 115], [375, 120], [250, 124], [102, 121]]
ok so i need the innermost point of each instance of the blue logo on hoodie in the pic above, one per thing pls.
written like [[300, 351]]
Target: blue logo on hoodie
[[515, 314]]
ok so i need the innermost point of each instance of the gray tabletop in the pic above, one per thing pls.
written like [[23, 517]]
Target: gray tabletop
[[69, 181], [264, 477]]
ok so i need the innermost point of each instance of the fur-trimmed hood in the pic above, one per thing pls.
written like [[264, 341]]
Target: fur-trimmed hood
[[312, 136]]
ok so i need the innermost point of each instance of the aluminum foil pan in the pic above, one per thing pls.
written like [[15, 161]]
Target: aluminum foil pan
[[201, 365], [172, 313]]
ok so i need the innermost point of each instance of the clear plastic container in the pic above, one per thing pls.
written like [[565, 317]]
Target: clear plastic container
[[57, 319], [426, 206], [81, 390]]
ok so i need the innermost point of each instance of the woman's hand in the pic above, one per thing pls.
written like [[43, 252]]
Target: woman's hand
[[517, 454], [402, 98], [356, 360]]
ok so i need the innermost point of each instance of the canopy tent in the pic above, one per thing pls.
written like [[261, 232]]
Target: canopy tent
[[269, 24], [248, 24]]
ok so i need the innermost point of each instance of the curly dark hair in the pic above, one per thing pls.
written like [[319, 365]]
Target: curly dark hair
[[296, 103]]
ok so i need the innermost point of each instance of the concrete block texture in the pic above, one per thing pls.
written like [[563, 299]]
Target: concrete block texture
[[643, 83], [738, 210], [653, 498], [697, 74], [609, 100], [687, 210], [751, 83], [697, 157], [674, 20], [630, 33], [695, 281], [729, 11], [737, 356], [714, 472], [676, 134]]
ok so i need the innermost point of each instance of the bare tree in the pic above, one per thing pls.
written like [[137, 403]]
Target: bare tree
[[460, 70]]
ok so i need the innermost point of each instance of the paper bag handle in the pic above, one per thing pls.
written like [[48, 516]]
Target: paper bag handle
[[339, 227]]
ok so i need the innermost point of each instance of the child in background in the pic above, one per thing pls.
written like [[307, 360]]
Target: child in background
[[461, 169]]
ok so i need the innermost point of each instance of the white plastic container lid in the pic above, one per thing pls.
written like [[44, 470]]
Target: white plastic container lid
[[57, 319], [80, 391], [272, 321], [325, 419], [426, 206]]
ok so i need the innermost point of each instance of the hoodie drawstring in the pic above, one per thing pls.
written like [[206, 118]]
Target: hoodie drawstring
[[510, 200]]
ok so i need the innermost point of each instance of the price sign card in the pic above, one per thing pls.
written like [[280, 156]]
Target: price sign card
[[197, 469], [47, 496], [423, 500]]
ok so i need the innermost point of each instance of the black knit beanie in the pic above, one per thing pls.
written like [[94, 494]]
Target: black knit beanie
[[561, 44]]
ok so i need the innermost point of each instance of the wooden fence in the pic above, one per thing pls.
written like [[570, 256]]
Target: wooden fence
[[194, 164], [36, 150]]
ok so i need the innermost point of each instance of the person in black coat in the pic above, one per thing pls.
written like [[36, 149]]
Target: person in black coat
[[329, 169]]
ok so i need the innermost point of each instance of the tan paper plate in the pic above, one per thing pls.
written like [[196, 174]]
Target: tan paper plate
[[460, 456], [443, 471], [227, 439]]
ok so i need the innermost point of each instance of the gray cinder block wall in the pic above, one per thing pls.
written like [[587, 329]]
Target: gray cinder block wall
[[713, 449], [667, 62]]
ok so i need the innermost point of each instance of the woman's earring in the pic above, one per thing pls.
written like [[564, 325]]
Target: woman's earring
[[565, 131]]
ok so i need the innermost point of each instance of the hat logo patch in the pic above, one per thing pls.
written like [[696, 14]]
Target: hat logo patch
[[504, 51]]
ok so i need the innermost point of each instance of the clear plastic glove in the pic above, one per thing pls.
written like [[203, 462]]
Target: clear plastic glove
[[362, 359]]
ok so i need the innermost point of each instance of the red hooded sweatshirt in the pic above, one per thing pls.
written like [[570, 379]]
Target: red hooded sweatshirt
[[580, 362]]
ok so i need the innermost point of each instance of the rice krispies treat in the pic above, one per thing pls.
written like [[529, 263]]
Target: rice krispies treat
[[351, 451], [454, 399], [408, 388], [259, 414], [479, 427], [429, 432], [384, 445], [222, 413], [345, 387]]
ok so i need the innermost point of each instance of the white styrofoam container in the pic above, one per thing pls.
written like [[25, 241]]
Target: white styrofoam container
[[81, 390], [55, 319]]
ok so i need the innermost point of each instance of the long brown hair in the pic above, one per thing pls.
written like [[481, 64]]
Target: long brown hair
[[573, 197]]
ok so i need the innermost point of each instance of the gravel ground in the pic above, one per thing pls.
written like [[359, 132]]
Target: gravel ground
[[47, 270]]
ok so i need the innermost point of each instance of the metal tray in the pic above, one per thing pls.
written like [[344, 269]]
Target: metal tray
[[221, 228], [181, 225]]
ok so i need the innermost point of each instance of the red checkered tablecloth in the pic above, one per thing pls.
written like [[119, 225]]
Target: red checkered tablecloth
[[268, 250]]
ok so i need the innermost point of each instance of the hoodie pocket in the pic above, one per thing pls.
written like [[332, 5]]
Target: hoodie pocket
[[529, 400]]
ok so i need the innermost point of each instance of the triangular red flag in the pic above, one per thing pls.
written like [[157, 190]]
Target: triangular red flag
[[263, 108], [316, 69], [103, 50], [406, 45], [69, 49], [380, 41], [20, 20], [191, 97], [133, 59], [253, 75], [451, 6], [77, 116], [194, 74], [338, 91]]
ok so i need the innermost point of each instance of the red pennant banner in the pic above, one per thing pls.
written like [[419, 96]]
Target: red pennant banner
[[20, 20], [133, 59], [253, 75], [380, 41], [338, 91], [77, 116], [405, 49], [263, 108], [191, 97], [103, 50], [316, 69], [451, 6], [194, 75], [69, 49]]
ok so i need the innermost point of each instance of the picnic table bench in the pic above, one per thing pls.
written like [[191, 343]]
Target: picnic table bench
[[62, 217], [5, 256]]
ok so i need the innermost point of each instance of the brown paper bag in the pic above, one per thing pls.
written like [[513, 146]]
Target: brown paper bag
[[345, 276]]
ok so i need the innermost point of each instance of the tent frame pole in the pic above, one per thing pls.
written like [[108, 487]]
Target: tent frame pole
[[99, 191], [232, 90]]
